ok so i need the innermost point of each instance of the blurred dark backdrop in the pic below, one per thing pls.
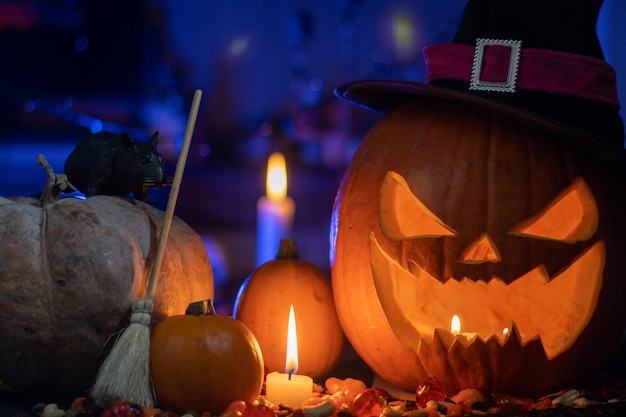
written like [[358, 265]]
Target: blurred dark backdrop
[[267, 70]]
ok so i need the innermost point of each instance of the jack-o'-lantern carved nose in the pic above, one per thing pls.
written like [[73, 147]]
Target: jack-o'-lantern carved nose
[[481, 250]]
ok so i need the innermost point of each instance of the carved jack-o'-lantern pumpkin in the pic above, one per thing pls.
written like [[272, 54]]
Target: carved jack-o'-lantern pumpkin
[[459, 205], [478, 216]]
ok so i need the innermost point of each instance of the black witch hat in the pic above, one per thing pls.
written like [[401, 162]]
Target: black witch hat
[[539, 61]]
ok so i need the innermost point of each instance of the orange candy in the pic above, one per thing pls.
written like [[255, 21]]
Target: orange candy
[[234, 409], [455, 410], [465, 398], [349, 386]]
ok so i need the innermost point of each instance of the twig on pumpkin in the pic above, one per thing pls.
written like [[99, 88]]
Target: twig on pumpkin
[[125, 373], [55, 185]]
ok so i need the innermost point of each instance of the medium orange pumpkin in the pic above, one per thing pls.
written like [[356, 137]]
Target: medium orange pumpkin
[[450, 209], [204, 361], [69, 273], [263, 305]]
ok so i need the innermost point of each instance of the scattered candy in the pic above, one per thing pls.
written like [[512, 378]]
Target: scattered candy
[[121, 408], [566, 397], [259, 408], [430, 390], [511, 403], [350, 387], [465, 398], [234, 409], [368, 403], [416, 413], [580, 402], [52, 410], [454, 410], [394, 409], [323, 408], [351, 398], [543, 404], [468, 396]]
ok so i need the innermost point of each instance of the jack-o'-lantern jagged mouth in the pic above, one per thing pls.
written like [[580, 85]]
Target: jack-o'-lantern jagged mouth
[[554, 310]]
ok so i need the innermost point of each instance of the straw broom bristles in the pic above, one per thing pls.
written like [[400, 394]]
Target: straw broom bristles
[[125, 373]]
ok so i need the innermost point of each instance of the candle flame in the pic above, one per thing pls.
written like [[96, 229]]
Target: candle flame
[[276, 183], [455, 325], [291, 363]]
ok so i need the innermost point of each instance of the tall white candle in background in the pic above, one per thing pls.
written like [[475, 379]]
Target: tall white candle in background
[[288, 388], [275, 211]]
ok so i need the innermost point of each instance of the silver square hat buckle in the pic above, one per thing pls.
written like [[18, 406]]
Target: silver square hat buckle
[[507, 86]]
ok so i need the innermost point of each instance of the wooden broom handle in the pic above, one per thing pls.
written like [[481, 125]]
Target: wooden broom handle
[[171, 202]]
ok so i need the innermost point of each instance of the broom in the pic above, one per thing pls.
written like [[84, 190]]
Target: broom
[[125, 373]]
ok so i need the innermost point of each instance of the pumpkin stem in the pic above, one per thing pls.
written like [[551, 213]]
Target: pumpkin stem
[[201, 308], [288, 249], [55, 184]]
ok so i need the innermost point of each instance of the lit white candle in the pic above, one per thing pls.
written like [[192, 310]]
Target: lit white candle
[[275, 211], [288, 388], [455, 329]]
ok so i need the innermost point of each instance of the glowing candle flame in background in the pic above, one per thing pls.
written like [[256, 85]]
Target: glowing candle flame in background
[[291, 362], [276, 182], [275, 210]]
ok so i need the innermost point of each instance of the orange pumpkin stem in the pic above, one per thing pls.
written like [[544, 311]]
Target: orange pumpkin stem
[[201, 308], [288, 249]]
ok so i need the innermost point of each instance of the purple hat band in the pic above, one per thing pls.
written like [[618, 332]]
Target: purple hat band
[[504, 66]]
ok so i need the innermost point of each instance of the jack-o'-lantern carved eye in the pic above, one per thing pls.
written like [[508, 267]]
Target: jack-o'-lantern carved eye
[[571, 217], [396, 199]]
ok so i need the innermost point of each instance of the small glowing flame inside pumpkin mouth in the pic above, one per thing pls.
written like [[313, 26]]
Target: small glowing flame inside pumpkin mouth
[[555, 310]]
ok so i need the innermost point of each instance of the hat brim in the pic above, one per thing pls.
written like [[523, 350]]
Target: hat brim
[[386, 95]]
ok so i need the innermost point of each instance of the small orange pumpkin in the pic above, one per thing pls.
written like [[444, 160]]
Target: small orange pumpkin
[[204, 361], [263, 305]]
